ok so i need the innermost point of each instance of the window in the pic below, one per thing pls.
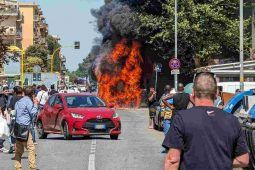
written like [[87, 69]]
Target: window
[[58, 100], [84, 101]]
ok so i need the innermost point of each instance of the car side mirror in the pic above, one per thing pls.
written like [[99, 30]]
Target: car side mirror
[[110, 105], [58, 106]]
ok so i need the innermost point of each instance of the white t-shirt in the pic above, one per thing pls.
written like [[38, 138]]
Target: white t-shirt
[[42, 97]]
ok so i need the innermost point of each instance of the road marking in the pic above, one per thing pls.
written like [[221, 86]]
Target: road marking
[[92, 156]]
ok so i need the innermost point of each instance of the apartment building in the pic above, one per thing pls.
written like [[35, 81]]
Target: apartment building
[[11, 20], [34, 27]]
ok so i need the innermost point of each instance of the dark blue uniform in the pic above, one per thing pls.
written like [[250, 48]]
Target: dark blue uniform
[[209, 138]]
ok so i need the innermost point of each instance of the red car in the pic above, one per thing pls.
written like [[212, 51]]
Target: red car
[[77, 114]]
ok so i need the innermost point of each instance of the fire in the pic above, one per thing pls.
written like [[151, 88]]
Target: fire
[[119, 75]]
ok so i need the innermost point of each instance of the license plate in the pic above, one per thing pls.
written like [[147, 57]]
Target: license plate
[[100, 127]]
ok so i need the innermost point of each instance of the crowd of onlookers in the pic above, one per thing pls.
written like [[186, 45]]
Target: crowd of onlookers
[[20, 107], [199, 134]]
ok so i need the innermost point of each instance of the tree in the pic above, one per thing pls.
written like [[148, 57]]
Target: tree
[[72, 76], [31, 62], [206, 29], [40, 52], [52, 46]]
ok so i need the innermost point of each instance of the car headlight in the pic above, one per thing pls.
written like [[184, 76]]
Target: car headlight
[[77, 116], [115, 115]]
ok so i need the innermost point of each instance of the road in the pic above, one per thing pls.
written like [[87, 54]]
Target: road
[[137, 148]]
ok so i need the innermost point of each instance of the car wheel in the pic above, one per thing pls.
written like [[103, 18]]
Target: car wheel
[[40, 131], [66, 132], [114, 137]]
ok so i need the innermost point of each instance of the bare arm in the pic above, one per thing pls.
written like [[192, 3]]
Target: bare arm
[[172, 160], [241, 161], [152, 96]]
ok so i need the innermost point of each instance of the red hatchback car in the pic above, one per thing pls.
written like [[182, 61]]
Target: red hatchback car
[[77, 114]]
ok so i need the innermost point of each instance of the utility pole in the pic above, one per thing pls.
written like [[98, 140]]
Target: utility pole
[[176, 44], [253, 26], [241, 47]]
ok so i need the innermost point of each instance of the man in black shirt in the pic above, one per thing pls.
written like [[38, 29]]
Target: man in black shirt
[[205, 137]]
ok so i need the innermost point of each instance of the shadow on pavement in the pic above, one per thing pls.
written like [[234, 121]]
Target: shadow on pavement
[[81, 138]]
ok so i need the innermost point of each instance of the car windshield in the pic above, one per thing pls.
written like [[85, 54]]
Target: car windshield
[[84, 101]]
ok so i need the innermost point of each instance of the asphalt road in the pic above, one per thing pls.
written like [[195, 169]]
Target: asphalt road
[[137, 148]]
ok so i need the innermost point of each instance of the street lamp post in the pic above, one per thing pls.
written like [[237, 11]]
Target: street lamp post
[[17, 49], [176, 43], [241, 47]]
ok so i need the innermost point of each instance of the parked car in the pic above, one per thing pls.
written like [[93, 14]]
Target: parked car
[[77, 114]]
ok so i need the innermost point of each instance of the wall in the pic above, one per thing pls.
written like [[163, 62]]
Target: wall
[[28, 25]]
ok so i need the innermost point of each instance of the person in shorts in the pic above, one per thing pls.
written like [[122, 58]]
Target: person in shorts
[[152, 108]]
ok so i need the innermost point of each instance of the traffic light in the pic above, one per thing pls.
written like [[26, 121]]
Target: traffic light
[[77, 45]]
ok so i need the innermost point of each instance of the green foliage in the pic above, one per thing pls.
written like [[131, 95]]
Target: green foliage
[[52, 46], [205, 29], [72, 76], [31, 62], [40, 52]]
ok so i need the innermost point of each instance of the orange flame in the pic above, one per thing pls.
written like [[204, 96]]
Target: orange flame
[[121, 85]]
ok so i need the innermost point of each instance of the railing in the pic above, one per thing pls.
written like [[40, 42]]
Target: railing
[[8, 11], [36, 18]]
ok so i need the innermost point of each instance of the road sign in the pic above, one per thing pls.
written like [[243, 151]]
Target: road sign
[[176, 71], [37, 69], [158, 67], [174, 64]]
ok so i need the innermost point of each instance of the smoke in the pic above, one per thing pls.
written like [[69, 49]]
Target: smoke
[[116, 19]]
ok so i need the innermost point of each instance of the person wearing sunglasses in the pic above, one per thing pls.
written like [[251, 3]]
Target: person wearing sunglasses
[[205, 137]]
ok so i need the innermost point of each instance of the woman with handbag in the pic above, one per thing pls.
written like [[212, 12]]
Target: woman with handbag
[[25, 108]]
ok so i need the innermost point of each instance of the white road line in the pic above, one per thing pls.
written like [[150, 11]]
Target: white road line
[[92, 156]]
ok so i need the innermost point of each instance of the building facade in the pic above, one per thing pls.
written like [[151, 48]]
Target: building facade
[[34, 28], [11, 19]]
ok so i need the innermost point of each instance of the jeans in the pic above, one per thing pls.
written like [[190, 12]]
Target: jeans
[[1, 143], [166, 125]]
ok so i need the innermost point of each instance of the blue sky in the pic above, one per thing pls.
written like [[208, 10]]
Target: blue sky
[[72, 21]]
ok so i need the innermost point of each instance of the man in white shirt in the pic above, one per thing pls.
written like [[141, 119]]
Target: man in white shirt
[[42, 96]]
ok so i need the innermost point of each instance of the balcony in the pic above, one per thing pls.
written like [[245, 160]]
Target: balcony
[[20, 18], [7, 11], [10, 31], [19, 35], [36, 18]]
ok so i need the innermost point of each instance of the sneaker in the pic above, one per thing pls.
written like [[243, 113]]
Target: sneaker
[[11, 150], [35, 143], [4, 150]]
